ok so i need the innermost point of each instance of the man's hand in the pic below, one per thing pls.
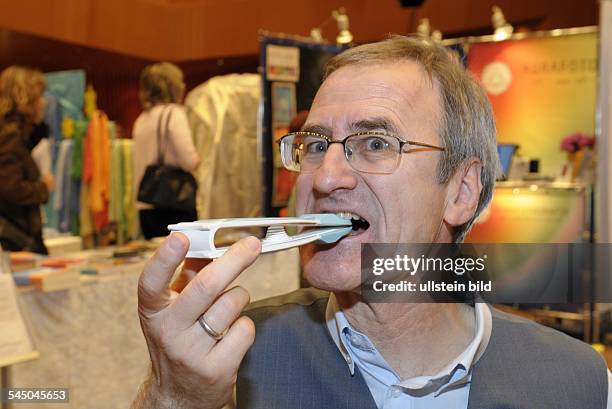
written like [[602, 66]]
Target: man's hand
[[189, 368]]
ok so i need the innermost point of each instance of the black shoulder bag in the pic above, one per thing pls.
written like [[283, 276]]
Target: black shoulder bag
[[164, 186]]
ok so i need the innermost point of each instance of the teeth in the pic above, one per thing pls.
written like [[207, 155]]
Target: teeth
[[345, 215], [349, 215]]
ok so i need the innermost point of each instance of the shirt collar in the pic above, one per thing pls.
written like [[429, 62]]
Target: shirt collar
[[337, 324]]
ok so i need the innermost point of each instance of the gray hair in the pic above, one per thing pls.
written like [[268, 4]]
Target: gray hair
[[467, 126]]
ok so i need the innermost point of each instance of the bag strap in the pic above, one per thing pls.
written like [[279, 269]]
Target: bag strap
[[160, 136]]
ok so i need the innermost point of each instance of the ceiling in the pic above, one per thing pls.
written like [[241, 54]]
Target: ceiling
[[181, 30]]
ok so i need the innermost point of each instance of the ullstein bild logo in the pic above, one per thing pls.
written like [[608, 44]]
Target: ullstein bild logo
[[495, 273]]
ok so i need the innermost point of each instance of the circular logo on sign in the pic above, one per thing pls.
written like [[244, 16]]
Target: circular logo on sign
[[496, 77]]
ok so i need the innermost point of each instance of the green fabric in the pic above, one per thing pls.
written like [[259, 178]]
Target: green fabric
[[117, 187]]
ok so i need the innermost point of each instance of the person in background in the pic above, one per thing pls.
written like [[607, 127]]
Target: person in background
[[22, 189], [161, 92]]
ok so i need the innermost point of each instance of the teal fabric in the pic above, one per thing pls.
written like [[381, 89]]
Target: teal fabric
[[69, 89]]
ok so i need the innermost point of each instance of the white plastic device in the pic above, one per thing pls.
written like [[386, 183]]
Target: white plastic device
[[326, 228]]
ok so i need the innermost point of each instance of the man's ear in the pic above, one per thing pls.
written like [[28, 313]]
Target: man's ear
[[463, 193]]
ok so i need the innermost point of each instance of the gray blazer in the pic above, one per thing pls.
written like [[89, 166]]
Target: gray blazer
[[294, 363]]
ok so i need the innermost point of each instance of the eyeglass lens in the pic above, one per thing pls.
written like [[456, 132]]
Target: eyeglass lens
[[365, 153]]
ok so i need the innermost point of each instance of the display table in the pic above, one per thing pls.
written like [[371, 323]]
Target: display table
[[89, 337]]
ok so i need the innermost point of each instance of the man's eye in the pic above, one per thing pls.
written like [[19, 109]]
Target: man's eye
[[316, 147], [376, 144]]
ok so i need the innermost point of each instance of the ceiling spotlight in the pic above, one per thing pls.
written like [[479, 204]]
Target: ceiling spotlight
[[316, 35], [342, 21], [503, 30], [436, 36], [424, 28], [344, 35]]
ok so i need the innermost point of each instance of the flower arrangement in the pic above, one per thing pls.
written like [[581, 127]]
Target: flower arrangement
[[576, 141], [576, 145]]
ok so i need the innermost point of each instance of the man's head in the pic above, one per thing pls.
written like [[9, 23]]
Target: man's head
[[411, 89]]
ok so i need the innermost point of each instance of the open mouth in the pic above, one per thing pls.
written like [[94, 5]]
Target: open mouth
[[359, 224]]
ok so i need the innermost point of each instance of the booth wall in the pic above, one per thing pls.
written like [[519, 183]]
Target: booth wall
[[604, 127], [112, 40]]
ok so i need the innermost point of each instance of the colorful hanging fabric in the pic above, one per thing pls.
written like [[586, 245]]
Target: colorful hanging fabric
[[129, 204], [96, 167], [116, 193], [64, 185]]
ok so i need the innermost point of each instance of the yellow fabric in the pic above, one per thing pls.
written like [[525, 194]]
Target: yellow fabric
[[91, 101], [67, 127]]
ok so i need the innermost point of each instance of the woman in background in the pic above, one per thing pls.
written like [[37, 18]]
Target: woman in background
[[161, 91], [22, 189]]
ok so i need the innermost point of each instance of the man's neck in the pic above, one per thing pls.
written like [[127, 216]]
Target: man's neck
[[414, 339]]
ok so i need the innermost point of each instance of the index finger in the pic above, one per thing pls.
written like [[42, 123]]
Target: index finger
[[154, 293]]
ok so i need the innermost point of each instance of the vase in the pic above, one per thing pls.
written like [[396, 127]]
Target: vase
[[576, 163]]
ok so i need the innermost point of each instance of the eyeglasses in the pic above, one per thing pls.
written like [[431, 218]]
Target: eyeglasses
[[368, 152]]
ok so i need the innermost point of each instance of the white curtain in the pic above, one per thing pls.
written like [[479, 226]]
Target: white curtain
[[223, 115]]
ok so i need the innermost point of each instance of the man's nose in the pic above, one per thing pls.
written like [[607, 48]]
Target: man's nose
[[334, 172]]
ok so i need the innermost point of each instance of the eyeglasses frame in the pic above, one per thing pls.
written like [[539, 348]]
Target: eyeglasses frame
[[342, 141]]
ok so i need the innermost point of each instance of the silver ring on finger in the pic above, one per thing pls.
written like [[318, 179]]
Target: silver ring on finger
[[214, 334]]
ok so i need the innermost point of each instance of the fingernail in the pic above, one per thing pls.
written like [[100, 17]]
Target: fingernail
[[175, 242], [252, 243]]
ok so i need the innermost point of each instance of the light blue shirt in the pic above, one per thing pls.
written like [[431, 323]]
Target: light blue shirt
[[449, 388]]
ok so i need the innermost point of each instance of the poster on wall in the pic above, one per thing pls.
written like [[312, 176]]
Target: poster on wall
[[282, 63], [283, 111], [294, 69], [542, 91], [283, 103]]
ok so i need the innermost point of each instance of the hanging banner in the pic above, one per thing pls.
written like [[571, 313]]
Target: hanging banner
[[542, 90], [294, 69]]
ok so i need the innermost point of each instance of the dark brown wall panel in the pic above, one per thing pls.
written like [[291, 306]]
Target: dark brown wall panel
[[114, 76]]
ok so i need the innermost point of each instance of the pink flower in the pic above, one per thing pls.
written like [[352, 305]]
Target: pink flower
[[576, 141]]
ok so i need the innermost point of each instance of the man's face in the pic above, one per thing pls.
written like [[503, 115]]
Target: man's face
[[405, 206]]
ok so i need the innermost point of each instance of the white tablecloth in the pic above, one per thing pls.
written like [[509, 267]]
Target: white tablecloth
[[90, 341]]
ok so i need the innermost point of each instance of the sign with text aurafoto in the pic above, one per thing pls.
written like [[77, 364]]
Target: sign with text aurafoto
[[15, 343]]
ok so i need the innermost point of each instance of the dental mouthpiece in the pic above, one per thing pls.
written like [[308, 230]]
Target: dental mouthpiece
[[323, 228]]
